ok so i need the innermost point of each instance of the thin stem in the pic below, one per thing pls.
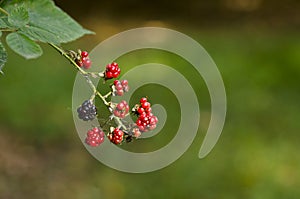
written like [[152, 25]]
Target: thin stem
[[4, 11], [95, 91], [103, 99], [120, 123], [68, 57], [84, 73], [108, 94], [92, 97]]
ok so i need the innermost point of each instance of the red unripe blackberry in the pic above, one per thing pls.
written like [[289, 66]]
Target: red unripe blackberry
[[112, 71], [116, 136], [146, 120], [121, 109], [94, 137], [120, 87]]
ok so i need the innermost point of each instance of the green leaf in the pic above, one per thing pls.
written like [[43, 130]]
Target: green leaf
[[18, 17], [48, 23], [23, 46], [38, 34], [3, 57]]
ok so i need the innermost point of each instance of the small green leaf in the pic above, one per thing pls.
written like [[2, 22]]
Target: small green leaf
[[19, 16], [23, 46], [3, 57]]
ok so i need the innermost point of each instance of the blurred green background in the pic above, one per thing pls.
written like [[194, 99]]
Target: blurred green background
[[256, 46]]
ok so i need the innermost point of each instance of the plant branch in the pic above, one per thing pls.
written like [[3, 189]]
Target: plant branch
[[68, 57], [84, 74], [87, 76], [95, 91], [120, 123]]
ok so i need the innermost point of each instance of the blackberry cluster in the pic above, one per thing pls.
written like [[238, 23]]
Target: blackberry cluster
[[112, 71], [121, 109], [120, 87], [94, 137], [146, 120], [116, 136], [87, 111]]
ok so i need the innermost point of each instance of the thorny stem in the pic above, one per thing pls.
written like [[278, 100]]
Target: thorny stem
[[84, 74], [90, 83], [68, 57]]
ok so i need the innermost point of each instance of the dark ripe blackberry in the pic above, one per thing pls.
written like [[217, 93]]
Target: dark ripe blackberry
[[87, 111]]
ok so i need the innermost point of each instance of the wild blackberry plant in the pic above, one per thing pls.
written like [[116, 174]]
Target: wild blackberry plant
[[26, 23]]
